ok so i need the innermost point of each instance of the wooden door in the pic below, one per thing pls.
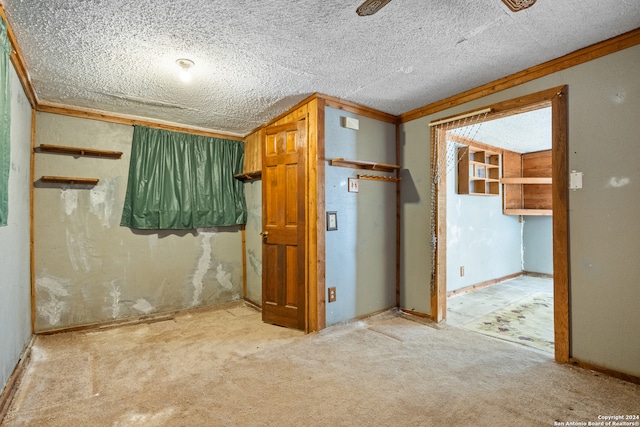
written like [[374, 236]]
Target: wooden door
[[283, 225]]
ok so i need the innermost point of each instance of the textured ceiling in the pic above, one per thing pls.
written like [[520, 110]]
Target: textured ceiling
[[254, 60], [522, 133]]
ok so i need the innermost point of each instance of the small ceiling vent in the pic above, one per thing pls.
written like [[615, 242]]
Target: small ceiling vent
[[518, 5]]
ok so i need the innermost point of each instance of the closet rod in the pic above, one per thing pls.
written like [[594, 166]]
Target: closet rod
[[461, 116]]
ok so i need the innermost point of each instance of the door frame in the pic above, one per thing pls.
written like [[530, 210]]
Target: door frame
[[312, 110], [556, 98]]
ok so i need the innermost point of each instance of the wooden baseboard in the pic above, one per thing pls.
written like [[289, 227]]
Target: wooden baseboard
[[9, 391], [151, 318], [534, 274], [481, 285], [252, 304], [610, 372], [417, 314], [375, 313]]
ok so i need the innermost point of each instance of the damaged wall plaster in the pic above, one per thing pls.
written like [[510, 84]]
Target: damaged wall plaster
[[89, 269]]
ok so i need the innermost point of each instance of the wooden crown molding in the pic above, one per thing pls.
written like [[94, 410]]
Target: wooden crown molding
[[18, 62], [87, 113], [578, 57]]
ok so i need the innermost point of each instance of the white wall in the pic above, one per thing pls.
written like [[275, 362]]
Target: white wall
[[253, 195], [537, 241], [89, 269], [15, 282], [604, 133], [361, 254]]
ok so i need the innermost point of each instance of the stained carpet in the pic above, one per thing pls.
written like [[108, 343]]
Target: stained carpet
[[528, 321], [226, 368]]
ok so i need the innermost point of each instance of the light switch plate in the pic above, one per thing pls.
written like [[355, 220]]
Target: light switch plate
[[354, 185], [575, 180]]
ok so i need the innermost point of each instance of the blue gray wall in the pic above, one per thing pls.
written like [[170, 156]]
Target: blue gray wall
[[15, 281], [603, 127], [479, 237], [361, 254], [537, 241]]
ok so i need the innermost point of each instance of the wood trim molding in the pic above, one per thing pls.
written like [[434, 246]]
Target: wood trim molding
[[610, 372], [143, 319], [398, 218], [18, 63], [32, 257], [578, 57], [337, 103], [560, 203], [439, 276], [317, 165], [417, 314], [129, 120], [243, 233], [484, 284], [290, 111], [9, 390], [352, 107]]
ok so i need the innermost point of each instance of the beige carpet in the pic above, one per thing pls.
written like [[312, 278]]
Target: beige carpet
[[226, 368], [528, 321]]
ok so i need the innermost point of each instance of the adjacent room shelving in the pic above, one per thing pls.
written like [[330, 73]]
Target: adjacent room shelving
[[478, 171], [527, 184]]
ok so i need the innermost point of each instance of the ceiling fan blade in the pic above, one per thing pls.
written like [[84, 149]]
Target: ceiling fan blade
[[517, 5], [369, 7]]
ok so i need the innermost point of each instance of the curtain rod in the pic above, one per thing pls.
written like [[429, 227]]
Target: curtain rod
[[462, 116]]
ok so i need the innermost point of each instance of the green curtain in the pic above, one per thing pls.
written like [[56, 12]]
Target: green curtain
[[5, 122], [182, 181]]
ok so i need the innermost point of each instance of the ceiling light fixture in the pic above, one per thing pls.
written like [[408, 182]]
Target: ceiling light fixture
[[185, 69], [517, 5], [369, 7]]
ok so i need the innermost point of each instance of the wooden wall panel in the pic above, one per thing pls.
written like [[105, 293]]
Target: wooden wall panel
[[535, 165], [253, 152], [512, 168]]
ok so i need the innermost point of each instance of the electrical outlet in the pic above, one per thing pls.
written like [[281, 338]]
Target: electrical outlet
[[332, 294], [462, 271]]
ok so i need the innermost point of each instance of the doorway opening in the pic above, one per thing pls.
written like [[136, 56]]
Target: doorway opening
[[499, 246], [555, 100]]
